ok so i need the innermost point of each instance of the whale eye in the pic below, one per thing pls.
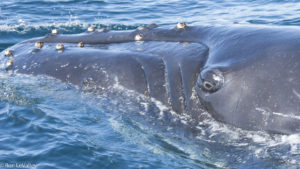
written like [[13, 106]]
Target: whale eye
[[210, 80]]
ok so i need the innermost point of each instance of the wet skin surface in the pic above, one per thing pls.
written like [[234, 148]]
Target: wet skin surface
[[244, 76]]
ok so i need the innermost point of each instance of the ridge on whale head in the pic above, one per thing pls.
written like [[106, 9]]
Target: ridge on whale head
[[247, 76]]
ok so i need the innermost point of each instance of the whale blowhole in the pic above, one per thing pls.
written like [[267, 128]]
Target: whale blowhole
[[210, 80]]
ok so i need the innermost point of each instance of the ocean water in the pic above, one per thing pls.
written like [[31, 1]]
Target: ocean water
[[45, 123]]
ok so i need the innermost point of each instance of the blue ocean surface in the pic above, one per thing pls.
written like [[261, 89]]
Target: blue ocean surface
[[45, 123]]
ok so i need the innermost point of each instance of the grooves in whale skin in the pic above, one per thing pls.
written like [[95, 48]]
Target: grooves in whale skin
[[242, 75]]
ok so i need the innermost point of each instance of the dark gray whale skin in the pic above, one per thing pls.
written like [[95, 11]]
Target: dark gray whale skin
[[246, 76]]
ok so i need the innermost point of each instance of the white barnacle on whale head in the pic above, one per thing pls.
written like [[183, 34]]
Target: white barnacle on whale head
[[181, 25], [138, 37], [8, 53], [91, 29], [80, 44], [39, 44], [59, 46], [9, 63]]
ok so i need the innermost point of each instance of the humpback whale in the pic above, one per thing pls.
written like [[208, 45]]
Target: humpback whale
[[246, 76]]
